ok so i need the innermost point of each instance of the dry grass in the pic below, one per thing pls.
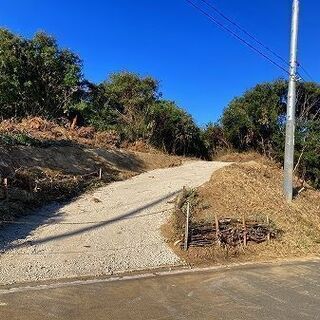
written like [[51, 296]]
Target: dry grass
[[42, 129], [65, 163], [254, 189], [240, 157]]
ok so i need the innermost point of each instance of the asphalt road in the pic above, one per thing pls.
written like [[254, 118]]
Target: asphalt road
[[279, 291]]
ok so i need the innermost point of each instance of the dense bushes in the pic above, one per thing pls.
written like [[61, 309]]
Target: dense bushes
[[173, 130], [257, 121], [132, 105], [37, 78]]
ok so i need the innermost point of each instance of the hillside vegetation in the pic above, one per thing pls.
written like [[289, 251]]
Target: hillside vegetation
[[252, 190], [39, 79], [42, 162], [256, 121]]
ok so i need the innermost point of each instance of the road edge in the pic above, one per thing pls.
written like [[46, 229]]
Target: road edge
[[144, 274]]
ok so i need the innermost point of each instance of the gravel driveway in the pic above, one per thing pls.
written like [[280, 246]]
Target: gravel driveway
[[114, 229]]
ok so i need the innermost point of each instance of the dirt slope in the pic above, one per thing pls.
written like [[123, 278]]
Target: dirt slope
[[41, 161], [254, 190]]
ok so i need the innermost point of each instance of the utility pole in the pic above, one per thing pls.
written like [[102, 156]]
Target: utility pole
[[291, 106]]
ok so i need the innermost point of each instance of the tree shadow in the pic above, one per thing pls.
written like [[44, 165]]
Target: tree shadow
[[70, 157], [52, 214], [57, 171]]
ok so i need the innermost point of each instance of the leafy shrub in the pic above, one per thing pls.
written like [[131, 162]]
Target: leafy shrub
[[256, 121], [37, 77]]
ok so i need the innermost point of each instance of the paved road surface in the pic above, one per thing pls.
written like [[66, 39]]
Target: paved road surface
[[115, 229], [289, 291]]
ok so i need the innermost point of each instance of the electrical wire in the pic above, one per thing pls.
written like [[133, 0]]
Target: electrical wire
[[306, 72], [254, 38], [245, 31], [236, 36]]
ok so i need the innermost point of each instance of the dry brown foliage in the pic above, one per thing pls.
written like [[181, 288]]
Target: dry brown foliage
[[43, 129], [253, 190], [39, 174]]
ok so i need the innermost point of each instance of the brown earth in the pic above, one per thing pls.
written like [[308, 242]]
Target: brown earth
[[59, 162], [240, 157], [43, 129], [252, 190]]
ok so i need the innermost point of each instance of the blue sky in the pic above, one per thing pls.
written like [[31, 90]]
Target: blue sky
[[198, 65]]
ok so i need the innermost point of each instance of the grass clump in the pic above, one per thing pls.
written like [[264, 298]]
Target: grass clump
[[12, 139]]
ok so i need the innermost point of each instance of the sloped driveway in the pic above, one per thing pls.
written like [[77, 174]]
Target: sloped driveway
[[114, 229]]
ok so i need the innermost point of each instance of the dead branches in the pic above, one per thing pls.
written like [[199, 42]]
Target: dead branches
[[229, 232]]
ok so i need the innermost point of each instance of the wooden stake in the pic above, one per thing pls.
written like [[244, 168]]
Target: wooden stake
[[244, 231], [217, 224], [186, 233], [217, 228], [74, 122], [5, 188], [268, 224]]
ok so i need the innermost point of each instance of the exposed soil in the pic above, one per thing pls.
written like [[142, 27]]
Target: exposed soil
[[43, 161], [253, 190], [240, 157]]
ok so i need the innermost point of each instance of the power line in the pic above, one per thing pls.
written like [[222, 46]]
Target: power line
[[245, 31], [305, 71], [223, 27]]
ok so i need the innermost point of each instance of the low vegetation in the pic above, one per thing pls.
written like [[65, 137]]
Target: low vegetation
[[256, 121], [42, 162], [250, 190]]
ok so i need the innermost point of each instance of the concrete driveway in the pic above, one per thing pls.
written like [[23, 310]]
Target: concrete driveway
[[278, 291], [114, 229]]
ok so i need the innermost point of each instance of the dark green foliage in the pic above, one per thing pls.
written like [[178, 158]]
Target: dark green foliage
[[214, 139], [36, 77], [131, 104], [173, 130], [121, 103], [252, 121], [256, 121]]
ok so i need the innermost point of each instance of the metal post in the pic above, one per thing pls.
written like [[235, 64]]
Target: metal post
[[291, 106]]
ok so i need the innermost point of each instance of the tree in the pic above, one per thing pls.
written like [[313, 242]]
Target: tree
[[122, 102], [173, 130], [251, 121], [36, 77], [257, 121], [214, 138]]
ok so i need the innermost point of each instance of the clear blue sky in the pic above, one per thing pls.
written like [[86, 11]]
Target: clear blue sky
[[199, 66]]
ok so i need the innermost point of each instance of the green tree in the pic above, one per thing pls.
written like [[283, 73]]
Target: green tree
[[214, 138], [122, 102], [257, 121], [173, 130], [252, 121], [36, 77]]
